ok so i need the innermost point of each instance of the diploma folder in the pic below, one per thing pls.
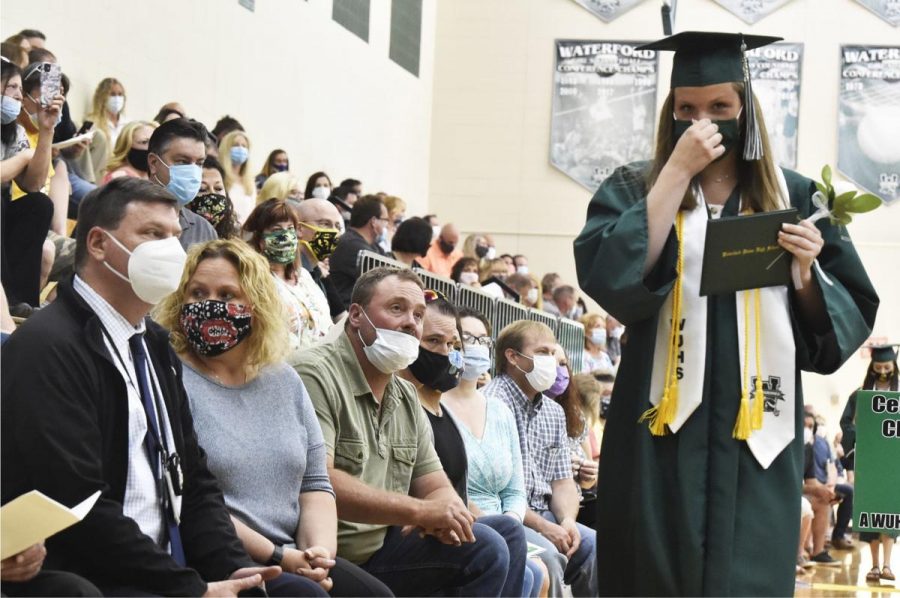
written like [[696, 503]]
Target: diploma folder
[[742, 252], [34, 517]]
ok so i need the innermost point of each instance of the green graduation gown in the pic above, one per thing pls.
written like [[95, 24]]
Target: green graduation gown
[[694, 513]]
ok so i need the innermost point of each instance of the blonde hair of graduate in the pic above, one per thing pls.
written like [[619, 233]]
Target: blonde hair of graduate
[[268, 341], [278, 186], [756, 179], [245, 178], [124, 143]]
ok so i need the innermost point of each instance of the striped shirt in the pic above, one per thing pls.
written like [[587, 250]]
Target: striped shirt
[[541, 425]]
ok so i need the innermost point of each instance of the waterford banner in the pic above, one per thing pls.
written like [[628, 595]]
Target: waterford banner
[[876, 501], [869, 119], [604, 107], [752, 10], [889, 10], [607, 10], [776, 82]]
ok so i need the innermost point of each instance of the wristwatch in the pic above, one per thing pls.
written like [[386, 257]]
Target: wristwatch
[[277, 556]]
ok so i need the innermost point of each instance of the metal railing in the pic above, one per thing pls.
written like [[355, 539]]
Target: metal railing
[[499, 312]]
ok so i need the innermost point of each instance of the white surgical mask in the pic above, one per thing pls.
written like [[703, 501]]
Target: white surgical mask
[[491, 253], [115, 104], [435, 232], [522, 270], [543, 374], [617, 332], [598, 336], [477, 361], [532, 296], [321, 192], [807, 436], [154, 268], [392, 351], [468, 278]]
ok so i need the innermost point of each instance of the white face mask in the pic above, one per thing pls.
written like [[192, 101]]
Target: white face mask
[[522, 269], [532, 296], [154, 268], [598, 337], [468, 278], [321, 192], [491, 253], [807, 436], [617, 332], [543, 374], [392, 351], [435, 232], [115, 104]]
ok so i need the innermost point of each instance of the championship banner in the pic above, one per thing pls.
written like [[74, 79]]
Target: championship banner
[[752, 10], [889, 10], [775, 70], [604, 107], [607, 10], [869, 119], [876, 500]]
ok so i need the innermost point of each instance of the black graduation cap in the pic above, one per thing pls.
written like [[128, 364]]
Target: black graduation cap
[[884, 352], [710, 57]]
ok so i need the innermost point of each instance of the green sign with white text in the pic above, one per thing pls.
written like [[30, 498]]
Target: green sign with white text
[[876, 500]]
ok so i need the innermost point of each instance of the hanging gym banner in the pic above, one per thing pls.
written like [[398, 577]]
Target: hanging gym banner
[[607, 10], [869, 119], [775, 70], [752, 10], [604, 107], [889, 10]]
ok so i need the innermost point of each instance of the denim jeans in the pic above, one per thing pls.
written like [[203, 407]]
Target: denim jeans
[[414, 566], [534, 579], [578, 571]]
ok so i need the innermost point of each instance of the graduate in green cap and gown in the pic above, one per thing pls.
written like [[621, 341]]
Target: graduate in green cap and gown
[[881, 375], [699, 484]]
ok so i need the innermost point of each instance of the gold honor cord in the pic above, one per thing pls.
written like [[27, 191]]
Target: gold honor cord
[[662, 414], [747, 422]]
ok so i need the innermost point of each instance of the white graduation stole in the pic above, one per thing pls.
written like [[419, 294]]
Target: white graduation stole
[[777, 350]]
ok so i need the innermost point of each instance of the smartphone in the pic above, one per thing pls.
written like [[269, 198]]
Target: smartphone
[[85, 127], [51, 82]]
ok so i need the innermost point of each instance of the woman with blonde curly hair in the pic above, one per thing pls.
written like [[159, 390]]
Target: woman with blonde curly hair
[[282, 185], [251, 411], [130, 155], [107, 111], [234, 154]]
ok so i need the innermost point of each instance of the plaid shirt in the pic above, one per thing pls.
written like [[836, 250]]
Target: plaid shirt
[[542, 436]]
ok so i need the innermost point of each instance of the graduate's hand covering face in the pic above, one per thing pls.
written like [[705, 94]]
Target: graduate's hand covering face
[[701, 143]]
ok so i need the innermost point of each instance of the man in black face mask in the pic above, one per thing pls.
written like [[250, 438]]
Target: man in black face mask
[[320, 226], [443, 252], [437, 370]]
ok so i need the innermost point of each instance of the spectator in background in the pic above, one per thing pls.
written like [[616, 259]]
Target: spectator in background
[[130, 155], [226, 125], [493, 269], [344, 199], [212, 202], [352, 185], [521, 264], [89, 430], [276, 162], [396, 215], [526, 368], [549, 282], [318, 185], [820, 495], [381, 460], [614, 332], [234, 155], [432, 219], [510, 263], [282, 185], [169, 111], [107, 114], [465, 271], [443, 252], [525, 288], [320, 225], [35, 38], [26, 220], [368, 224], [176, 154], [564, 299], [595, 356], [411, 242], [272, 228], [479, 247], [14, 53], [239, 384]]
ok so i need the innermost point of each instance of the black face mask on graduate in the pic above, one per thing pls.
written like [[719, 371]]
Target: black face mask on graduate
[[729, 129], [437, 372]]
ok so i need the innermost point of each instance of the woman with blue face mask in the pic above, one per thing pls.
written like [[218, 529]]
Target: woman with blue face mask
[[595, 356], [495, 486], [234, 154]]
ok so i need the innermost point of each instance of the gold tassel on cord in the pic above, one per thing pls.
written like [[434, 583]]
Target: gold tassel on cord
[[742, 425], [760, 397], [662, 414]]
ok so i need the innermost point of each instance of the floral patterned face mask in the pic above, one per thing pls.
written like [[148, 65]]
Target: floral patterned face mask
[[213, 327], [280, 246], [211, 206]]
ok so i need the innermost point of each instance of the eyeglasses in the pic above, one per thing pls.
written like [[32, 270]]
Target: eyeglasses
[[432, 295], [471, 339]]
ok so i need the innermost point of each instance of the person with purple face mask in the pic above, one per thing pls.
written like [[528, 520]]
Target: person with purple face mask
[[276, 162]]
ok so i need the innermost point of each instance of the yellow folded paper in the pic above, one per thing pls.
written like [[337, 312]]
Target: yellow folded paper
[[34, 517]]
